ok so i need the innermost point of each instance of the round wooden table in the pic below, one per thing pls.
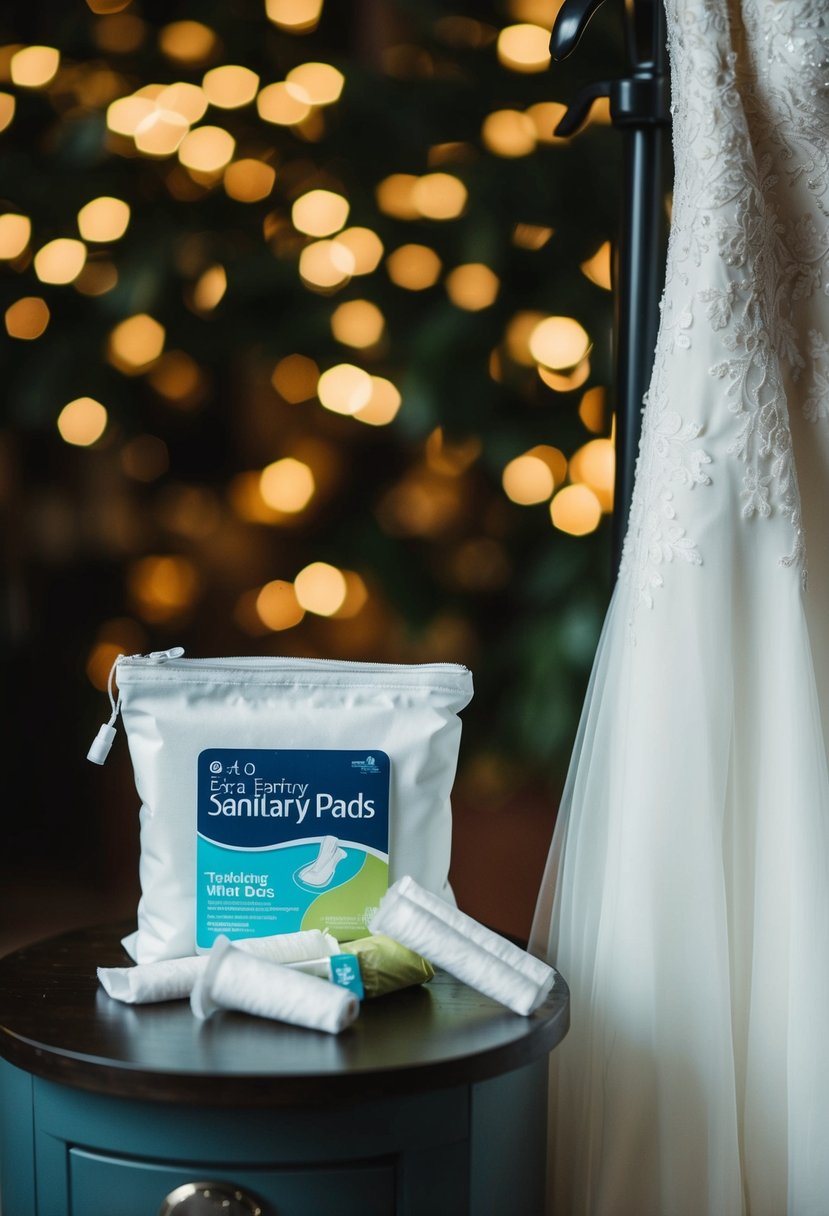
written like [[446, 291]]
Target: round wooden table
[[433, 1102]]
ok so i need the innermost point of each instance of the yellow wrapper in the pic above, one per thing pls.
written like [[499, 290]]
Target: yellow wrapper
[[385, 965]]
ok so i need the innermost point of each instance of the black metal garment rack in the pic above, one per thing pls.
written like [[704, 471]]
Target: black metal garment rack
[[639, 107]]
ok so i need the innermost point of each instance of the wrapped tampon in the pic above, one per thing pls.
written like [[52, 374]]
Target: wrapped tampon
[[173, 979], [235, 980], [463, 947], [386, 965]]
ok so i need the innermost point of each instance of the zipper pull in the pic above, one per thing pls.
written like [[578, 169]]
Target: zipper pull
[[102, 743]]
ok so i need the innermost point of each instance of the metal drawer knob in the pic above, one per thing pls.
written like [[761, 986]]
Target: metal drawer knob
[[209, 1199]]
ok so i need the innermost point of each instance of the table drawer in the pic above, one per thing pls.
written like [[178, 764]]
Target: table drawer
[[110, 1186]]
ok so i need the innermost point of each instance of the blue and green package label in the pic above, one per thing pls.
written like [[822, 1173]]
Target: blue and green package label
[[290, 840]]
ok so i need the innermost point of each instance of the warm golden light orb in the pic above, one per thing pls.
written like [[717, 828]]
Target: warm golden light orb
[[230, 86], [319, 213], [576, 510], [104, 219], [287, 485], [344, 388], [34, 66], [82, 422], [321, 588], [60, 261], [559, 342]]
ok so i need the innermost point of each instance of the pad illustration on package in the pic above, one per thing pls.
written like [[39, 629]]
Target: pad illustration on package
[[290, 840]]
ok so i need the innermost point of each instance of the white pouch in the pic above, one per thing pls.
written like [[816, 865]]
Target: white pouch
[[283, 794]]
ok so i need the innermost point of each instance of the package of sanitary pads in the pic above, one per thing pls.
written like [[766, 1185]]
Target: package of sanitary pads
[[283, 794]]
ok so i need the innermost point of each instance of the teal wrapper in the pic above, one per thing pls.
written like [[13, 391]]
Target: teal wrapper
[[386, 966]]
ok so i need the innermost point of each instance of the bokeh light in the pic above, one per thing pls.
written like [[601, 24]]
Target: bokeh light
[[210, 288], [559, 342], [365, 246], [357, 323], [27, 318], [287, 485], [576, 510], [207, 149], [383, 404], [277, 605], [598, 268], [160, 132], [524, 47], [594, 465], [34, 66], [7, 109], [136, 343], [82, 422], [395, 196], [528, 479], [356, 596], [325, 265], [321, 82], [145, 458], [162, 587], [473, 286], [592, 409], [96, 278], [321, 588], [177, 377], [60, 261], [249, 180], [187, 42], [15, 231], [319, 213], [414, 267], [439, 196], [295, 378], [284, 104], [295, 16], [509, 133], [344, 388], [545, 117], [230, 86], [103, 219]]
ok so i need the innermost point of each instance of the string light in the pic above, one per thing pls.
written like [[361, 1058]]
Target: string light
[[344, 388], [524, 48], [356, 596], [321, 588], [322, 83], [295, 378], [230, 86], [287, 485], [27, 318], [357, 323], [125, 114], [104, 219], [249, 180], [559, 342], [383, 403], [295, 16], [517, 337], [319, 213], [15, 231], [527, 479], [161, 132], [60, 261], [568, 381], [284, 103], [136, 343], [414, 267], [473, 286], [509, 133], [82, 422], [34, 66], [277, 605], [185, 99], [365, 247], [576, 510]]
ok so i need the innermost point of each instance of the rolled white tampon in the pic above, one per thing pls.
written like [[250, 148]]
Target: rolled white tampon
[[501, 947], [173, 979], [170, 980], [235, 980]]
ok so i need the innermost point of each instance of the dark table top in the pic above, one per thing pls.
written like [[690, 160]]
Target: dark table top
[[58, 1023]]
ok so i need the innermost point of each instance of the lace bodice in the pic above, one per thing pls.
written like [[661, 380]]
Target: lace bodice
[[744, 335]]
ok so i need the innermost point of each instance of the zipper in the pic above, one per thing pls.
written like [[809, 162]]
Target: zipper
[[102, 743]]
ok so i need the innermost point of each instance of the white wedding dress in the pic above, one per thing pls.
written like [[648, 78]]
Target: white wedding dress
[[686, 897]]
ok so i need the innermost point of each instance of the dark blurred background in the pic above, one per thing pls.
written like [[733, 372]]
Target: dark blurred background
[[305, 351]]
